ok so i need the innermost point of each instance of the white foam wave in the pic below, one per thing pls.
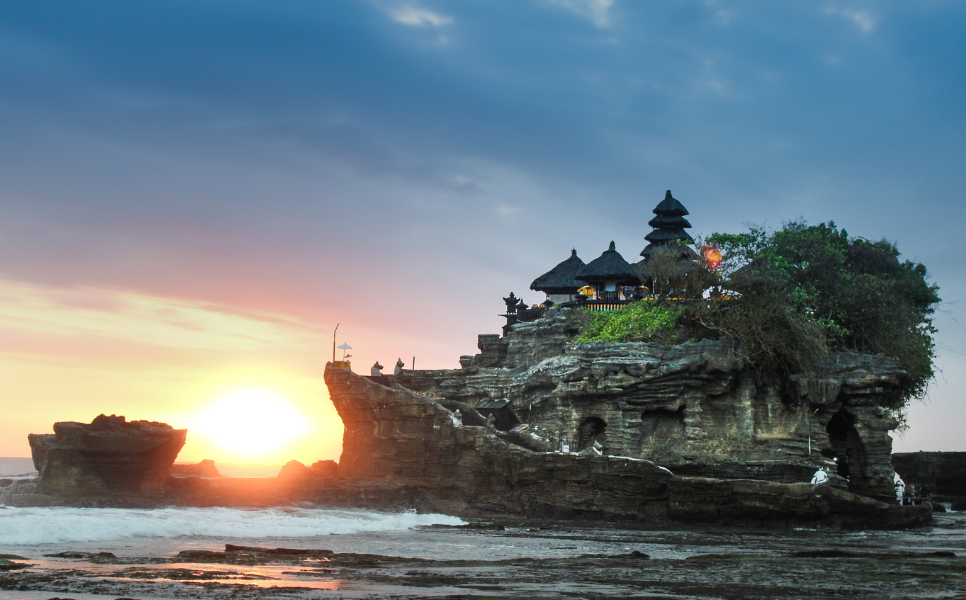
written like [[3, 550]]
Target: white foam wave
[[29, 526]]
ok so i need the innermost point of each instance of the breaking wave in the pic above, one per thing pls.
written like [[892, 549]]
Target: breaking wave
[[28, 526]]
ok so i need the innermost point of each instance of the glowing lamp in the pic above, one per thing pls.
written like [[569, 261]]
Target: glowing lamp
[[712, 256]]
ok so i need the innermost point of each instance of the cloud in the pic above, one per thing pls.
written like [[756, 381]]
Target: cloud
[[595, 11], [414, 16], [863, 20]]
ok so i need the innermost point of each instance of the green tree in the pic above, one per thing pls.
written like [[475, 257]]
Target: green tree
[[855, 293]]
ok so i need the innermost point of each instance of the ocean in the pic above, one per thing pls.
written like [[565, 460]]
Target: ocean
[[13, 467], [410, 555]]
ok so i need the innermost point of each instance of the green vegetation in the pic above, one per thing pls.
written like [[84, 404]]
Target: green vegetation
[[645, 321], [787, 298], [834, 292]]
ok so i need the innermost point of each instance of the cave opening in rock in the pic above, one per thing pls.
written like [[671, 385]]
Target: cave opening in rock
[[591, 430], [846, 445]]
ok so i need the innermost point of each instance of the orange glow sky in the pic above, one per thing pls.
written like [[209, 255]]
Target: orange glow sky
[[71, 354]]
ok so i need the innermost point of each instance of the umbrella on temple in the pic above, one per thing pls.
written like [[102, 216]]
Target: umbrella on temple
[[344, 346]]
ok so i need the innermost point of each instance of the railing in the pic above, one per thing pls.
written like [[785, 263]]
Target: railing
[[527, 315], [603, 305]]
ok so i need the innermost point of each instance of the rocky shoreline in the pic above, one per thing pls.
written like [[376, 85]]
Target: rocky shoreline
[[546, 559]]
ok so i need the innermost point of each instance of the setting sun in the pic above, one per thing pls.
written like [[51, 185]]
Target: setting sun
[[249, 422]]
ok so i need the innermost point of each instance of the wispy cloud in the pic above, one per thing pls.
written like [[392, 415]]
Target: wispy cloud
[[863, 20], [595, 11], [415, 16]]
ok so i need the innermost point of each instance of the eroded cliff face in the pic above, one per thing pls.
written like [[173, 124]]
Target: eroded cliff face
[[109, 456], [409, 449], [693, 408]]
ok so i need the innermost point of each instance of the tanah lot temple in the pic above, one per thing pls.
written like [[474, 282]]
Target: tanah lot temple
[[609, 281]]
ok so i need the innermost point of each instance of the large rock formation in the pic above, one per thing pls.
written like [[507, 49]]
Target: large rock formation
[[694, 408], [108, 457], [421, 453], [945, 472]]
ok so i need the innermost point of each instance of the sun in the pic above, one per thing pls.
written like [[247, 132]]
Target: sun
[[249, 422]]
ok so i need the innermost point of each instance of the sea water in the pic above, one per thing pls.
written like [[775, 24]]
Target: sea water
[[132, 533], [12, 467]]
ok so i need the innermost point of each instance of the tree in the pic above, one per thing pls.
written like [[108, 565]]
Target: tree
[[852, 293]]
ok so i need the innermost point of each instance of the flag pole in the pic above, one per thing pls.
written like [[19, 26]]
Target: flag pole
[[333, 342]]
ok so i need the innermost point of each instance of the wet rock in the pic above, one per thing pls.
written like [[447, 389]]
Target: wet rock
[[205, 468], [945, 472], [108, 457], [293, 469], [278, 551], [92, 556], [9, 565]]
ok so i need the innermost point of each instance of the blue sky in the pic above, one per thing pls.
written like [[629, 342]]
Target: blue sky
[[399, 166]]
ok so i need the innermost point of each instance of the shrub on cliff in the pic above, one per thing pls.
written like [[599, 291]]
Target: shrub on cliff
[[805, 289], [644, 321]]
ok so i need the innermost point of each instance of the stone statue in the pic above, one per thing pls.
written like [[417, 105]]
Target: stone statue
[[376, 370], [490, 421], [399, 367], [512, 303]]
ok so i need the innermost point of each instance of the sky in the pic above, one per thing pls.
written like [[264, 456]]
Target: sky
[[193, 194]]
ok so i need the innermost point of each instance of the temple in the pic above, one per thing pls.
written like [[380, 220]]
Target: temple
[[694, 408], [669, 228]]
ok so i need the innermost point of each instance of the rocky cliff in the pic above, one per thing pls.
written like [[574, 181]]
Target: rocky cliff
[[109, 456], [426, 456], [693, 408], [945, 472]]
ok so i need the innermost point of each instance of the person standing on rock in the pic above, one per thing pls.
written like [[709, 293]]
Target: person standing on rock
[[820, 477], [900, 488]]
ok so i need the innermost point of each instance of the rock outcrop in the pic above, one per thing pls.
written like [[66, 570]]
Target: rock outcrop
[[110, 456], [945, 472], [205, 468], [293, 469], [413, 446], [694, 408]]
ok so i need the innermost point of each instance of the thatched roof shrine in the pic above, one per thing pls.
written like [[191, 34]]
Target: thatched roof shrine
[[560, 279], [669, 227], [609, 267]]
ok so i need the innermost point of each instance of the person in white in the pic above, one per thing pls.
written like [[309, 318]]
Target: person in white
[[900, 488], [820, 477]]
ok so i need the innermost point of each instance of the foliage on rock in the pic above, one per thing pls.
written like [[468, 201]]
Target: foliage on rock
[[787, 298], [806, 289], [645, 321]]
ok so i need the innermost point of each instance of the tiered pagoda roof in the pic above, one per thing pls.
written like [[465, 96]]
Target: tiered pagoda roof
[[669, 227], [609, 267], [562, 278]]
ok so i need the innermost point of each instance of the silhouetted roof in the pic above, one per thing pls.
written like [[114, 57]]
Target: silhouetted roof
[[488, 404], [668, 221], [560, 279], [686, 252], [669, 226], [667, 234], [670, 207], [609, 266]]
